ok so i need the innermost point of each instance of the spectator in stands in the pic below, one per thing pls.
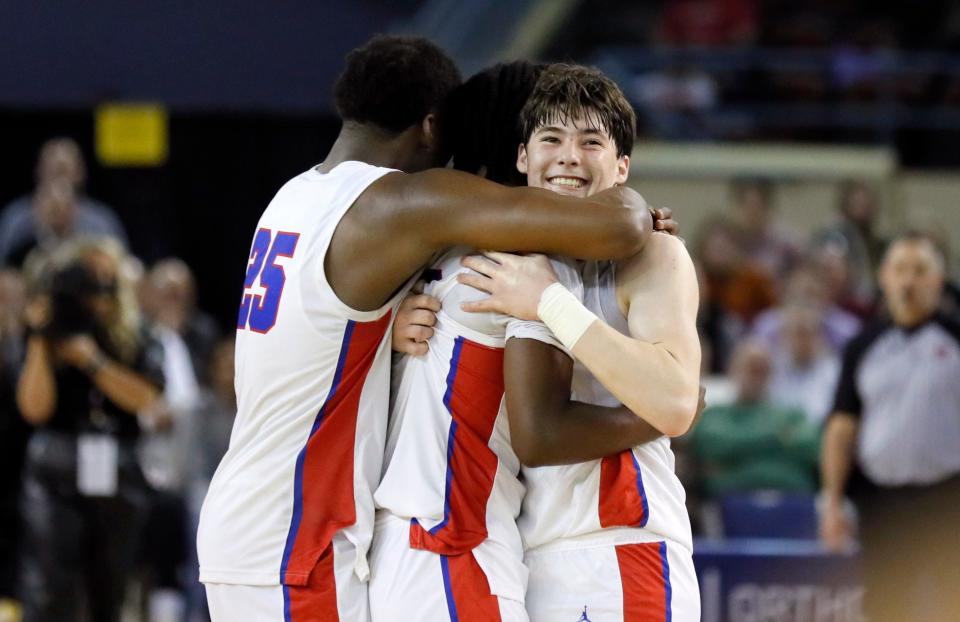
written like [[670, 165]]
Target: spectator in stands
[[760, 241], [209, 437], [89, 370], [187, 337], [854, 235], [897, 418], [733, 291], [13, 431], [708, 23], [755, 443], [805, 370], [831, 262], [210, 433], [58, 208], [807, 286], [170, 302]]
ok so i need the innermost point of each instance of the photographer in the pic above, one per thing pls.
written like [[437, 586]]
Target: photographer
[[89, 370]]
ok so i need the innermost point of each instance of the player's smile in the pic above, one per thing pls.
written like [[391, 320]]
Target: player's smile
[[566, 181], [573, 156]]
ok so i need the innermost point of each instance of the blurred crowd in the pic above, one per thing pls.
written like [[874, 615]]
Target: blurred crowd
[[725, 68], [99, 350], [116, 405], [777, 314]]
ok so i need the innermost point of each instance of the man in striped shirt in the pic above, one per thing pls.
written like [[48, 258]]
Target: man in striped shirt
[[896, 423]]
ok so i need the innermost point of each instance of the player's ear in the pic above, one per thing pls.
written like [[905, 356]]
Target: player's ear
[[522, 159], [428, 132], [623, 169]]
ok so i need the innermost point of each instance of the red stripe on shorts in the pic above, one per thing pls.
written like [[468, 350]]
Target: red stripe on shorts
[[470, 591], [645, 589], [317, 600]]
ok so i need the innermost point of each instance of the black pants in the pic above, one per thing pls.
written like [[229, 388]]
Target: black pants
[[911, 552], [9, 538], [165, 540], [78, 551]]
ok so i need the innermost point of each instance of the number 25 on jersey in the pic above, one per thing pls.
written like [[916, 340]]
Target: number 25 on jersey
[[258, 311]]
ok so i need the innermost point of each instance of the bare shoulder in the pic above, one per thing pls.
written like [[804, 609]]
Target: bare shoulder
[[663, 254]]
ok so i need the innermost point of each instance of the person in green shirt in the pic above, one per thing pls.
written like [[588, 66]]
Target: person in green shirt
[[753, 443]]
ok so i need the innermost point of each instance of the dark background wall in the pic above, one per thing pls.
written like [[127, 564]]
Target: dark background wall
[[242, 54]]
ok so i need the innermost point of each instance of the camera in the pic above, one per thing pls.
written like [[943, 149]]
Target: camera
[[69, 289]]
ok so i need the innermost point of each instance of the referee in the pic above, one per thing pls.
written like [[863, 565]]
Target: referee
[[896, 424]]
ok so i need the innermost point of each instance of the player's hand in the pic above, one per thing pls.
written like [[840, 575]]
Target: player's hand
[[413, 326], [514, 282], [836, 529], [663, 220]]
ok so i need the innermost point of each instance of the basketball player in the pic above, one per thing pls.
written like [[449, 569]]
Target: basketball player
[[446, 544], [286, 524], [607, 539]]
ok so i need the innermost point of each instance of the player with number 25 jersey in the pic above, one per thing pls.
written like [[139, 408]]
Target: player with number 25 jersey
[[312, 393]]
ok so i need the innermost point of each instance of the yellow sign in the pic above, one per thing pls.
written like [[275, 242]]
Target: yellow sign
[[131, 134]]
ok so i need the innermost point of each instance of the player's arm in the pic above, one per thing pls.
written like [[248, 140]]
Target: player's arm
[[401, 220], [546, 426], [655, 370], [448, 208]]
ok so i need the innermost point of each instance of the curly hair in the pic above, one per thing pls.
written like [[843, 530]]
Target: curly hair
[[567, 92], [394, 82], [481, 120]]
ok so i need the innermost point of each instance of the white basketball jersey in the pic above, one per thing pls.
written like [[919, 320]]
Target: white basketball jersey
[[449, 465], [634, 493], [312, 381]]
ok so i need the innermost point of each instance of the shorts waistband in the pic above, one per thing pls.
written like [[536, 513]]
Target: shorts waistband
[[606, 537]]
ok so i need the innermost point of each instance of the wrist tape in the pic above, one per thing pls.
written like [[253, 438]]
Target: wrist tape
[[564, 314]]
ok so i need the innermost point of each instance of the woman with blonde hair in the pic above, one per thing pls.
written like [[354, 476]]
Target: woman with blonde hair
[[90, 368]]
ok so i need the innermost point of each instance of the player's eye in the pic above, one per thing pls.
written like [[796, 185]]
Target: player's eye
[[550, 139]]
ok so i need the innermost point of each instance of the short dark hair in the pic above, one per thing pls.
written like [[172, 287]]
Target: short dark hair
[[481, 120], [565, 92], [394, 82]]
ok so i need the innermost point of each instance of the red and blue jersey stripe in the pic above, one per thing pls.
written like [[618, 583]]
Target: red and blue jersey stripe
[[623, 500], [323, 499], [474, 391]]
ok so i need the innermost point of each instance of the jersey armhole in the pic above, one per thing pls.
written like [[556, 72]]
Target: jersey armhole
[[316, 277]]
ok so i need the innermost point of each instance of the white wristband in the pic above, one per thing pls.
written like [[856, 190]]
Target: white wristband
[[564, 314]]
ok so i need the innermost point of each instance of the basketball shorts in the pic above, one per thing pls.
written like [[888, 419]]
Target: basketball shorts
[[643, 582], [333, 593], [409, 584]]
